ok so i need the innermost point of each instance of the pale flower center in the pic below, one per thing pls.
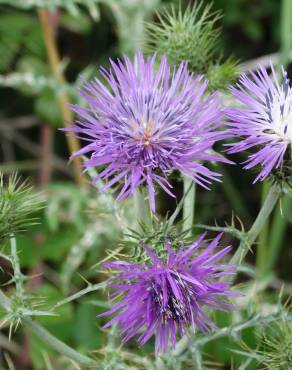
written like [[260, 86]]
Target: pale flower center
[[279, 110], [143, 133]]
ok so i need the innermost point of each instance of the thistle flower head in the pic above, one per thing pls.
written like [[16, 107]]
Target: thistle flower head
[[163, 298], [147, 124], [263, 121]]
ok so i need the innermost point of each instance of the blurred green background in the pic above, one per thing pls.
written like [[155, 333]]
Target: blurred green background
[[77, 226]]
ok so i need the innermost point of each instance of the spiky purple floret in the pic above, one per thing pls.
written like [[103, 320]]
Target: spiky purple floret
[[164, 298], [263, 121], [147, 123]]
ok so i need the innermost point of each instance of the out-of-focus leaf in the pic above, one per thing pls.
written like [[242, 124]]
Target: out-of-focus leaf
[[67, 204], [14, 29], [86, 331], [61, 324], [69, 22], [47, 108], [56, 245], [40, 243]]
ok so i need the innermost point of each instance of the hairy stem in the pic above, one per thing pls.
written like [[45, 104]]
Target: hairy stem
[[45, 336], [48, 338], [32, 325], [18, 277], [54, 60], [80, 293], [258, 319]]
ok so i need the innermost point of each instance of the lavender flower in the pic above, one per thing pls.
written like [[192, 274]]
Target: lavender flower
[[263, 120], [166, 297], [147, 124]]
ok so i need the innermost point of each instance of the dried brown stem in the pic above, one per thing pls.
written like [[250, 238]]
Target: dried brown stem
[[48, 24]]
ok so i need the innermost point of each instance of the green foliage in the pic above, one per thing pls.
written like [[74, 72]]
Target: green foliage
[[18, 32], [192, 36], [18, 203], [130, 16], [71, 6]]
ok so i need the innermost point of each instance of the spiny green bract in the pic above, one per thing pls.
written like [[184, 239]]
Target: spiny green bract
[[154, 236], [276, 346], [191, 36], [221, 75], [17, 204]]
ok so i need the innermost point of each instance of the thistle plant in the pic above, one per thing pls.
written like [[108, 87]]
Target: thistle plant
[[152, 122]]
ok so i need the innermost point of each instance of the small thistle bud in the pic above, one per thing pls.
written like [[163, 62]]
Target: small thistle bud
[[191, 36], [220, 76], [276, 343], [17, 204], [154, 236]]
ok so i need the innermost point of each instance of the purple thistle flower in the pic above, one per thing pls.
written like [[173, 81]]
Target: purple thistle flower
[[148, 123], [263, 121], [164, 298]]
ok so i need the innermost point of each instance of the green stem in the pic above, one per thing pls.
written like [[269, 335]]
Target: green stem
[[141, 208], [234, 196], [178, 208], [189, 205], [18, 277], [286, 29], [278, 227], [5, 302], [90, 288], [258, 225], [48, 338], [32, 325], [188, 220], [259, 319], [261, 256], [57, 344]]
